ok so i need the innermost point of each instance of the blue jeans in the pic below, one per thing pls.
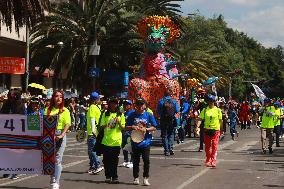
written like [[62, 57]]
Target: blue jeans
[[233, 129], [94, 159], [82, 123], [58, 160], [167, 134]]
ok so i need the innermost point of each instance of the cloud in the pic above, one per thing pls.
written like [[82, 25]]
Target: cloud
[[266, 26], [245, 2]]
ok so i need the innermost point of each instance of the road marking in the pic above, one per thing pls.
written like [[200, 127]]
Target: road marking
[[191, 179], [32, 176], [246, 146]]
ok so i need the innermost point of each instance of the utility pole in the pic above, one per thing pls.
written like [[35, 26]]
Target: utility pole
[[27, 74]]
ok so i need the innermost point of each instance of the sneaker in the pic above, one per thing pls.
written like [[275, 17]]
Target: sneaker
[[124, 164], [182, 141], [14, 177], [213, 163], [208, 163], [200, 150], [107, 180], [167, 154], [55, 186], [91, 170], [264, 151], [172, 153], [99, 169], [146, 182], [136, 181], [114, 181], [129, 165]]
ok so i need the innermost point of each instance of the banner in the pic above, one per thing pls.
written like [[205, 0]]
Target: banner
[[258, 92], [27, 144], [12, 65]]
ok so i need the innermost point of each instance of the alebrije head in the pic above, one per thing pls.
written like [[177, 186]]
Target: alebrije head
[[156, 22]]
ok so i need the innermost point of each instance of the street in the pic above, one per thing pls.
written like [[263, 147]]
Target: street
[[241, 165]]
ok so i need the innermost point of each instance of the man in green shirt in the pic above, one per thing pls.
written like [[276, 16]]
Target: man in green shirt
[[278, 115], [267, 125], [93, 117]]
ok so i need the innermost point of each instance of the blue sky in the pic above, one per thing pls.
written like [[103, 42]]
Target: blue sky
[[261, 19]]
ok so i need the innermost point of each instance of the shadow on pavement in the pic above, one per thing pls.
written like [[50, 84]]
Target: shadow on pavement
[[273, 186], [95, 181]]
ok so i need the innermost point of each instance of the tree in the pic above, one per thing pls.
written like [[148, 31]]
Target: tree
[[23, 12], [67, 33]]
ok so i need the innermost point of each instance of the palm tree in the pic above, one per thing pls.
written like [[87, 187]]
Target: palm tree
[[23, 12], [62, 40]]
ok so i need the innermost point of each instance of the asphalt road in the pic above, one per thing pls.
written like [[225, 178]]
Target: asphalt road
[[241, 165]]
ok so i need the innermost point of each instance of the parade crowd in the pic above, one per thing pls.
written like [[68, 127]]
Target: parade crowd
[[113, 126]]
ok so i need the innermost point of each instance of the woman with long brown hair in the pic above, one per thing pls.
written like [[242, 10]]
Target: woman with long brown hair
[[56, 107]]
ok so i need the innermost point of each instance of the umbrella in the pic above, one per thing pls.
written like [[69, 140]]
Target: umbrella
[[69, 94], [37, 86], [211, 80]]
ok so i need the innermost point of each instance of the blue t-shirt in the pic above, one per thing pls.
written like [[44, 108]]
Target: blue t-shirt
[[126, 114], [147, 118]]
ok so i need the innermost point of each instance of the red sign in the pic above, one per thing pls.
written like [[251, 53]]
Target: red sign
[[12, 65]]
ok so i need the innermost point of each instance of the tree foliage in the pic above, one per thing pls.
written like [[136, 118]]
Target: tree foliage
[[207, 47]]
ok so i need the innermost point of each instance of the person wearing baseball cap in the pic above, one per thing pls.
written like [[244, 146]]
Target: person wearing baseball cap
[[143, 121], [277, 121], [212, 117], [93, 116], [267, 125], [128, 109]]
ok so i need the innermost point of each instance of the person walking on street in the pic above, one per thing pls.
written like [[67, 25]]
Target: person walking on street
[[144, 122], [267, 125], [112, 122], [277, 121], [233, 117], [168, 112], [183, 118], [56, 107], [127, 107], [212, 117], [93, 117]]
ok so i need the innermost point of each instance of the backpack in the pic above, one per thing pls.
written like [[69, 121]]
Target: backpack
[[168, 109]]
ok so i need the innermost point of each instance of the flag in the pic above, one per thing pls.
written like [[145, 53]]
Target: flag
[[259, 92]]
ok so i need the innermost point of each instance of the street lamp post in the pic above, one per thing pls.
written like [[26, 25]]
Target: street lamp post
[[27, 74]]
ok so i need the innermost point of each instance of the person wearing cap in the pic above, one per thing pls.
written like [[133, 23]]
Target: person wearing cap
[[34, 107], [183, 118], [93, 117], [267, 125], [168, 111], [212, 117], [144, 122], [128, 109], [112, 122], [278, 115]]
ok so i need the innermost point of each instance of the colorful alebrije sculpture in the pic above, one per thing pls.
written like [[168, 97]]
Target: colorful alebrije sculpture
[[158, 70]]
